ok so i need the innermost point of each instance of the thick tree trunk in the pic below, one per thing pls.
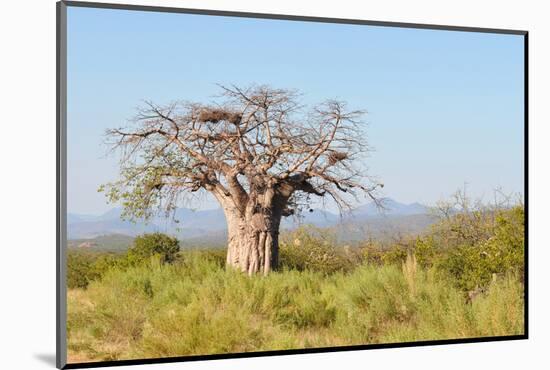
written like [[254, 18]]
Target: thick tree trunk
[[253, 228], [253, 243]]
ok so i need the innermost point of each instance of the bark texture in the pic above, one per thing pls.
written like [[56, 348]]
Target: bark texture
[[253, 232], [252, 248]]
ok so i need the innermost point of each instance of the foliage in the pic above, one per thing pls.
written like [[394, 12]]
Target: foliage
[[148, 245], [426, 251], [196, 307], [395, 255], [311, 248], [463, 278], [472, 266], [79, 270], [371, 253], [303, 150], [259, 151], [85, 266]]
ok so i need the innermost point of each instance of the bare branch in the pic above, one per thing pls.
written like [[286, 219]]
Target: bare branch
[[257, 146]]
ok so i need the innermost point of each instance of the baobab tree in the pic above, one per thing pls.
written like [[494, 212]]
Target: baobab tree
[[258, 151]]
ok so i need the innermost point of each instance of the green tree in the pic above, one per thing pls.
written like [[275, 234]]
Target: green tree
[[148, 245]]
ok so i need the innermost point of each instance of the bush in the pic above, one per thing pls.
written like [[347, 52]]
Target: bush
[[84, 267], [314, 249], [218, 256], [425, 251], [371, 253], [472, 266], [156, 244], [80, 269], [463, 221], [395, 255]]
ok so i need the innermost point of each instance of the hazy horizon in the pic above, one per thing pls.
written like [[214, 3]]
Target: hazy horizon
[[213, 208], [444, 107]]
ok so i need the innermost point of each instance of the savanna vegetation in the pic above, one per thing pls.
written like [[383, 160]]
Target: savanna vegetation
[[462, 278], [264, 155]]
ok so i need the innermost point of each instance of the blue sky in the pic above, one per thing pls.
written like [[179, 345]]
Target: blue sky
[[444, 107]]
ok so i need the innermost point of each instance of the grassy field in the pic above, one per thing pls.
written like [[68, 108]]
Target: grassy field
[[197, 307], [463, 279]]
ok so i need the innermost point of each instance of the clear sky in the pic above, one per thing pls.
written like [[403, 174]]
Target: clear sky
[[445, 107]]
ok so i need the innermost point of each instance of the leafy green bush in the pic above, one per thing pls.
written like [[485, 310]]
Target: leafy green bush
[[395, 255], [84, 267], [463, 221], [148, 245], [311, 248], [425, 251], [473, 266], [80, 269], [371, 253]]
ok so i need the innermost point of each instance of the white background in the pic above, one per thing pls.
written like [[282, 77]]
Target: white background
[[27, 183]]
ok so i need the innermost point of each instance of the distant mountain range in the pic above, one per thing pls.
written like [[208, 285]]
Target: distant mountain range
[[209, 225], [389, 207]]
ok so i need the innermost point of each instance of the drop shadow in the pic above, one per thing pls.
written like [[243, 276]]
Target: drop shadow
[[47, 358]]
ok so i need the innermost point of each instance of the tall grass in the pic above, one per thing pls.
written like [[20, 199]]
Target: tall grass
[[197, 307]]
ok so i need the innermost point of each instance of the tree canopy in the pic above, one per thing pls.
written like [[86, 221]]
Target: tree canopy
[[245, 143]]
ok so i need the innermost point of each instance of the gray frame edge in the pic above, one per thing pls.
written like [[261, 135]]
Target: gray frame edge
[[287, 17], [61, 190], [61, 186]]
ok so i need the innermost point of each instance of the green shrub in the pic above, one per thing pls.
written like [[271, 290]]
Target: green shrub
[[311, 248], [84, 267], [148, 245], [80, 269], [472, 266], [426, 252], [508, 243], [105, 262], [464, 227], [395, 255], [371, 253]]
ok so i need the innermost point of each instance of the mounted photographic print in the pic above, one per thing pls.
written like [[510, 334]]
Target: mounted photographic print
[[235, 185]]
